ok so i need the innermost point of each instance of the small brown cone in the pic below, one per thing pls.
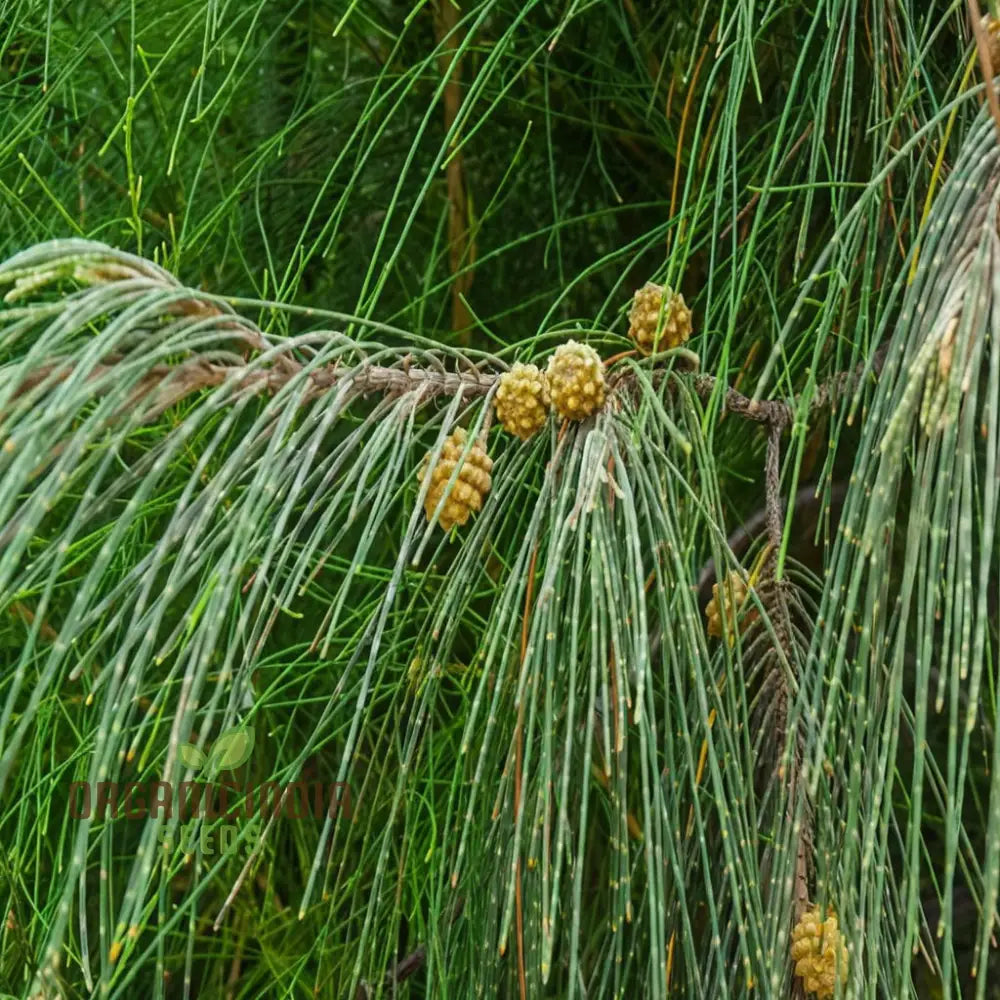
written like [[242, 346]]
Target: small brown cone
[[648, 329], [734, 596], [522, 400], [576, 380], [469, 489], [819, 954]]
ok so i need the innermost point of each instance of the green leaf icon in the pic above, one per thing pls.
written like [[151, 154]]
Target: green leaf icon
[[191, 756], [232, 748]]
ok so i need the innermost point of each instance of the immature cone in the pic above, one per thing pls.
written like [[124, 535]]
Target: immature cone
[[946, 352], [576, 380], [522, 400], [468, 490], [734, 595], [819, 954], [646, 328]]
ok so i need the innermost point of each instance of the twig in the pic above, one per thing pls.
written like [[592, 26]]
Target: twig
[[401, 971], [985, 62], [752, 203], [772, 485], [250, 861], [740, 538], [196, 373], [409, 964], [22, 611], [149, 214], [460, 241], [686, 114]]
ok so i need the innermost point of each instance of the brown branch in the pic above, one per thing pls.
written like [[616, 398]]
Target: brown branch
[[772, 485], [461, 246], [171, 383], [776, 597], [979, 29]]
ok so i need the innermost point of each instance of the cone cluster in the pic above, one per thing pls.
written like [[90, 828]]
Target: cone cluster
[[819, 953], [731, 597], [469, 489], [576, 380], [659, 319], [522, 400]]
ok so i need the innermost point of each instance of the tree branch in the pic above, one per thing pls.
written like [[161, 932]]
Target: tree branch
[[174, 382]]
